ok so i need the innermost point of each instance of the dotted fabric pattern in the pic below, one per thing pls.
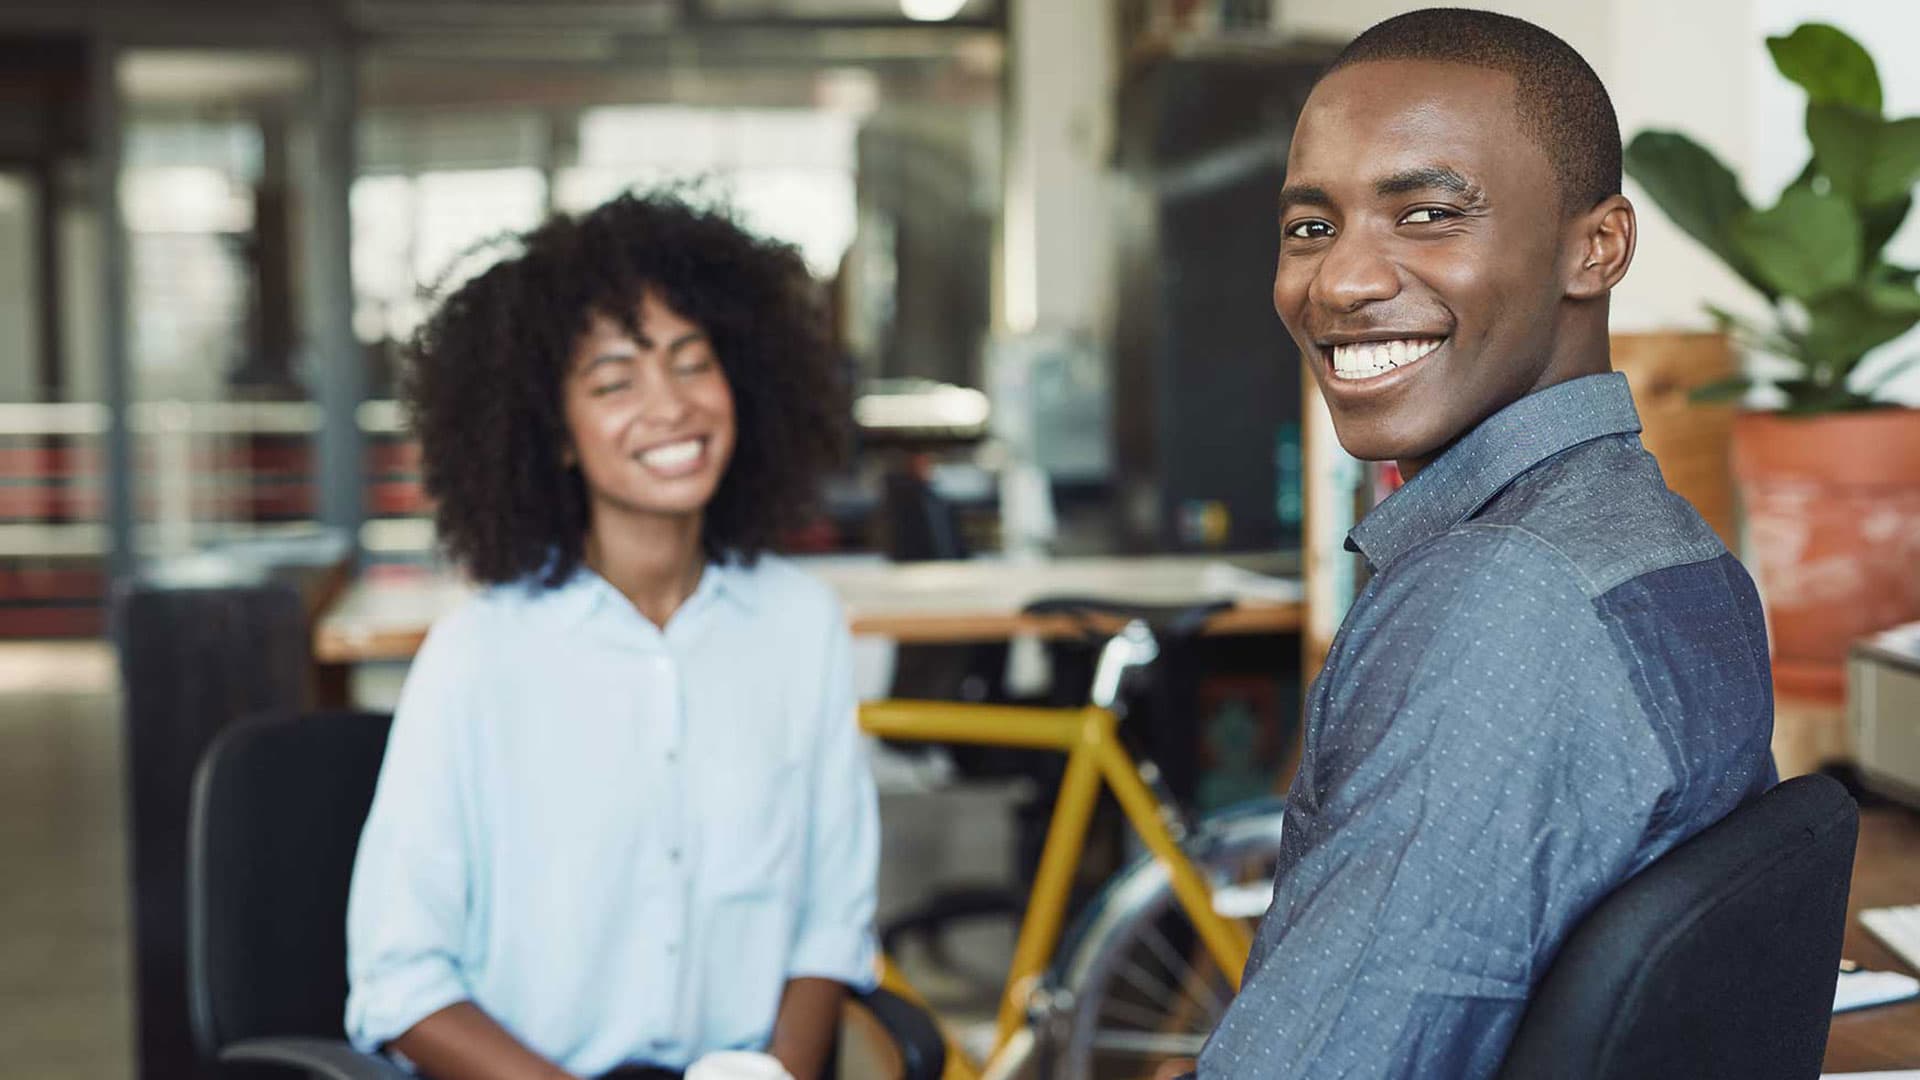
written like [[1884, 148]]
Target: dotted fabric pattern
[[1556, 674]]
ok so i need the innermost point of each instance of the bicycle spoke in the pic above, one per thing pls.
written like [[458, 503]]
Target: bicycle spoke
[[1152, 991], [1160, 993], [1149, 1044], [1132, 1014], [1175, 964]]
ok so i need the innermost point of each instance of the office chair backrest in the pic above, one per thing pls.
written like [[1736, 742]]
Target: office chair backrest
[[1718, 961], [277, 813]]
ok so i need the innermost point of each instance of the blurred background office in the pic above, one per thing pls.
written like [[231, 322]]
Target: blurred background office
[[1044, 229]]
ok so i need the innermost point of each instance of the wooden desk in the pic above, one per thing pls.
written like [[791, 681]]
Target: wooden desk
[[386, 617], [1886, 871]]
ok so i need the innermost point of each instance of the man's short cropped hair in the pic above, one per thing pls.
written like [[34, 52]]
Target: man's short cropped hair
[[1562, 104]]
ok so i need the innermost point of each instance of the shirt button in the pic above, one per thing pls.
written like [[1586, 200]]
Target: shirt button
[[673, 756], [674, 855]]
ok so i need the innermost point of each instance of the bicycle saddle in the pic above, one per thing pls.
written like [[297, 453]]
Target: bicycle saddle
[[1169, 622]]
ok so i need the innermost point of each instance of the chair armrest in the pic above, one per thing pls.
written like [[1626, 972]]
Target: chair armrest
[[327, 1059], [923, 1050]]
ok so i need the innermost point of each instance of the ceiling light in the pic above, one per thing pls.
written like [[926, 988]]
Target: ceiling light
[[931, 10]]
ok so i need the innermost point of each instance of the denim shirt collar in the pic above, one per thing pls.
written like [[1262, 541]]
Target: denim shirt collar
[[1454, 486]]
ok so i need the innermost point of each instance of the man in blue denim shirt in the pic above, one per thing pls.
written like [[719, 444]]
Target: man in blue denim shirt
[[1557, 672]]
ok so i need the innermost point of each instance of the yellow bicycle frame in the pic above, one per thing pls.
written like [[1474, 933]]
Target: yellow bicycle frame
[[1090, 739]]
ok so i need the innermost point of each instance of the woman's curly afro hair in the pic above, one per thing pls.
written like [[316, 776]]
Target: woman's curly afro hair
[[483, 384]]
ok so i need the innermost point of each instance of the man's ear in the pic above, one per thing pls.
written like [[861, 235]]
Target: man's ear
[[1600, 248]]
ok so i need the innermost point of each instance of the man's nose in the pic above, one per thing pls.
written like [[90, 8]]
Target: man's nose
[[1354, 273]]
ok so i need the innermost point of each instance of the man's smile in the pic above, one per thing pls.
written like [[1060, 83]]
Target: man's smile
[[1369, 359]]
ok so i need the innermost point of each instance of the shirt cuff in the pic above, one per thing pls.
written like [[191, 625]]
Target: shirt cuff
[[843, 955], [384, 1007]]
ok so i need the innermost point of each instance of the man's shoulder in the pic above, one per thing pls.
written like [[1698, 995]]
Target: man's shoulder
[[1604, 510]]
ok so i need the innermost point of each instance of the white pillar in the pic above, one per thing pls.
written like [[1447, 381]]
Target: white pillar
[[1055, 265]]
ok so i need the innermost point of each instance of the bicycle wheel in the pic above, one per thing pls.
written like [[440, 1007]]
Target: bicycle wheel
[[1139, 988]]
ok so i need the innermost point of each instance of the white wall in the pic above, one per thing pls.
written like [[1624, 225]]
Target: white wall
[[1681, 67]]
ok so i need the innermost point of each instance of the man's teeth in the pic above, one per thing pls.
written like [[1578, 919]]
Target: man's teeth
[[1366, 359], [672, 455]]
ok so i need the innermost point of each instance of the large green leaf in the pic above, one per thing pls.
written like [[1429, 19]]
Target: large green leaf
[[1881, 223], [1844, 326], [1804, 246], [1893, 297], [1832, 67], [1872, 161], [1699, 193], [1778, 339]]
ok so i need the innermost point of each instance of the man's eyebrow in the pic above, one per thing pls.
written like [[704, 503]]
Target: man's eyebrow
[[1427, 178], [691, 337], [1303, 195]]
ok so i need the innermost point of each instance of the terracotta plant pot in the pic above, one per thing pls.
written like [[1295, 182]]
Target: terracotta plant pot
[[1693, 442], [1833, 534]]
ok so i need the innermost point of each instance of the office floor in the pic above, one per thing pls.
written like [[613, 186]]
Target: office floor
[[65, 1011]]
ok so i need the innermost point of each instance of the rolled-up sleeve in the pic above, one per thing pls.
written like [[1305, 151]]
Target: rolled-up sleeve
[[835, 938], [407, 908]]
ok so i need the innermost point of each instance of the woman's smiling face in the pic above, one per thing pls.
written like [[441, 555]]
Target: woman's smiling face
[[649, 413]]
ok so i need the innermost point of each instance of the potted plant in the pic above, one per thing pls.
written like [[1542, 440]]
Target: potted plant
[[1830, 477]]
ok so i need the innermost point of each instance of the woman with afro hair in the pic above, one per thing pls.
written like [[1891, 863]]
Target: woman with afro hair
[[625, 818]]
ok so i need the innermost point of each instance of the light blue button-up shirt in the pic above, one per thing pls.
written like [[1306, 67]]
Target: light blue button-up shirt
[[620, 843]]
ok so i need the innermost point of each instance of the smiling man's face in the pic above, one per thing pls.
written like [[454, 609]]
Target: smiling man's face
[[1422, 254]]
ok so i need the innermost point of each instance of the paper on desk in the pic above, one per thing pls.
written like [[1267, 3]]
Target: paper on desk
[[1226, 579], [1861, 989]]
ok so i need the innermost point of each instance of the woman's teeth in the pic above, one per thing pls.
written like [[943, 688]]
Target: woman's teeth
[[672, 455], [1363, 360]]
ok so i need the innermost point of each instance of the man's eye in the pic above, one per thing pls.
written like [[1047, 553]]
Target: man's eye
[[693, 367], [610, 388], [1310, 230], [1427, 215]]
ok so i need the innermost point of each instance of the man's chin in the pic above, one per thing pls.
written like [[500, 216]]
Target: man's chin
[[1368, 442]]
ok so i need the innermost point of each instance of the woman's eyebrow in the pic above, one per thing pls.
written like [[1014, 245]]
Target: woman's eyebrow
[[691, 337], [604, 359]]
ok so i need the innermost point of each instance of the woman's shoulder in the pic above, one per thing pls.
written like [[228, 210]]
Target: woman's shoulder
[[488, 618], [775, 583]]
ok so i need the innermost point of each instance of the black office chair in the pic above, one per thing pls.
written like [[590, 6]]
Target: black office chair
[[277, 813], [1718, 962]]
